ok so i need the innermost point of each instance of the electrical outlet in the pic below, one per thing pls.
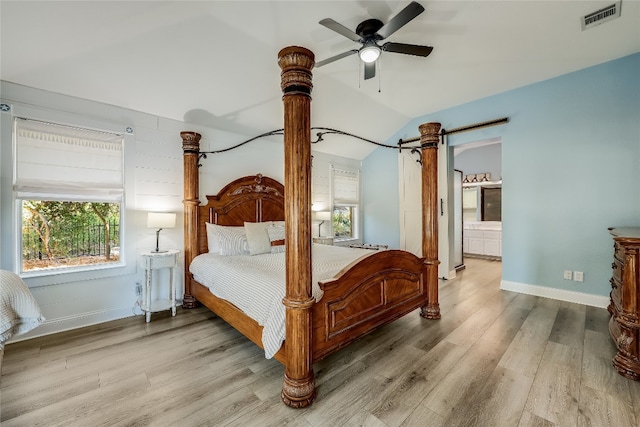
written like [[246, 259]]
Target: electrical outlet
[[138, 289], [568, 275], [578, 276]]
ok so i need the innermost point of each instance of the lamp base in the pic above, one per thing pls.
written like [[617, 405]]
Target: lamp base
[[159, 251]]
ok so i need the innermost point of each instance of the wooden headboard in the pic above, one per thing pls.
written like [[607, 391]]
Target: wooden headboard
[[253, 198]]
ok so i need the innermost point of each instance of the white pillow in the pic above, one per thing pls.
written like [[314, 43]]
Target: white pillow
[[233, 241], [257, 237], [213, 239], [276, 238], [227, 240]]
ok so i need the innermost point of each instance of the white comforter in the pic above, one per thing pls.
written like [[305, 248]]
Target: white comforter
[[19, 311], [256, 284]]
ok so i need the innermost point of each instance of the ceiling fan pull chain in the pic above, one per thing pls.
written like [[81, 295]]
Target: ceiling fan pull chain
[[379, 75]]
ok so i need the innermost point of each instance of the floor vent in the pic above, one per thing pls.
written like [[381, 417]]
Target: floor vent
[[601, 16]]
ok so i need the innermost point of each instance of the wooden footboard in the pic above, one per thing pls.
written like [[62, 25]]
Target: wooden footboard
[[365, 295]]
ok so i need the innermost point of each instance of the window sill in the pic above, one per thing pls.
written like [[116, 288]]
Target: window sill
[[46, 277]]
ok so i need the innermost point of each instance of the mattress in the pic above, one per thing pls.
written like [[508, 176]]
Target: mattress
[[256, 284]]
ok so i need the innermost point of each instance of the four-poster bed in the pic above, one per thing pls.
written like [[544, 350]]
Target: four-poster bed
[[368, 293]]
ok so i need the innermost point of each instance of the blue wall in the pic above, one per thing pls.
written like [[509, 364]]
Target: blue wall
[[570, 168]]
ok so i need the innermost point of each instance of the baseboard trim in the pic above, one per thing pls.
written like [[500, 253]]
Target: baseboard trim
[[62, 324], [451, 275], [558, 294]]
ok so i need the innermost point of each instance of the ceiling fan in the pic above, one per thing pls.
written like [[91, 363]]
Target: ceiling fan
[[370, 32]]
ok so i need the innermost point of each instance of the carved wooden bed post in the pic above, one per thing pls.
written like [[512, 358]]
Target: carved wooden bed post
[[298, 389], [429, 140], [191, 148]]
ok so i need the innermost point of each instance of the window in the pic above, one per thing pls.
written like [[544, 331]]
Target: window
[[69, 186], [59, 234], [346, 199], [343, 220]]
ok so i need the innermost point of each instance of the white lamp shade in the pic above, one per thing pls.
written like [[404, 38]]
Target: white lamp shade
[[369, 53], [323, 215], [161, 220]]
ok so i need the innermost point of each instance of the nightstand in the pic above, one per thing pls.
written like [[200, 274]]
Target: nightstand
[[323, 240], [151, 261]]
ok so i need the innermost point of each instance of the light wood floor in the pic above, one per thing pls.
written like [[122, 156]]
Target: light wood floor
[[496, 358]]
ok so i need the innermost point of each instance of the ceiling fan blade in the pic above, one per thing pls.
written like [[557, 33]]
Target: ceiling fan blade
[[401, 19], [369, 70], [340, 29], [408, 49], [335, 58]]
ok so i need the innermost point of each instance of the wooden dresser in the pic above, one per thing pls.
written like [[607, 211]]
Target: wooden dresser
[[624, 306]]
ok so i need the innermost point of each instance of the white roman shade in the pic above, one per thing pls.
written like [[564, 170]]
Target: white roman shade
[[346, 185], [56, 162]]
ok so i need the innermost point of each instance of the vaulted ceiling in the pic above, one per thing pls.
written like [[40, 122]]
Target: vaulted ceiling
[[214, 63]]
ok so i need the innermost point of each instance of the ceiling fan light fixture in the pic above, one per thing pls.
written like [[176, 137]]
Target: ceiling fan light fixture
[[369, 53], [370, 32]]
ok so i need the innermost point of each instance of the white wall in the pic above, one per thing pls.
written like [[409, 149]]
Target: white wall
[[154, 181]]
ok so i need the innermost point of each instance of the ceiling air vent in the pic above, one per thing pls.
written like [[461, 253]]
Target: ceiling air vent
[[601, 16]]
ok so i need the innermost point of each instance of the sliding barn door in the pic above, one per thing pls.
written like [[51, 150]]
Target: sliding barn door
[[410, 202]]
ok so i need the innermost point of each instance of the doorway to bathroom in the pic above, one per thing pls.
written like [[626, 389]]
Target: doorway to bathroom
[[477, 201]]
